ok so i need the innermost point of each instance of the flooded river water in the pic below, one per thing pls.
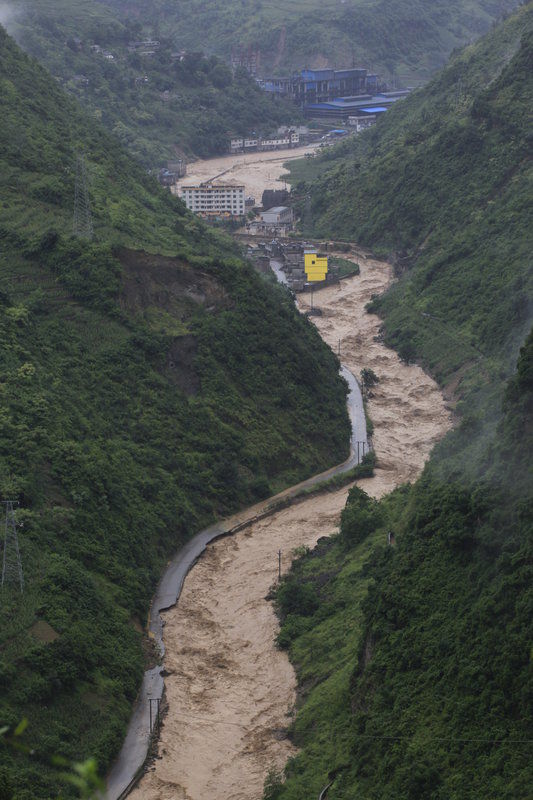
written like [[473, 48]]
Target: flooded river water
[[229, 690]]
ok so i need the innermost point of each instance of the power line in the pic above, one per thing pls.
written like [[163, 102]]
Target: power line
[[447, 739], [372, 736], [213, 721], [453, 335]]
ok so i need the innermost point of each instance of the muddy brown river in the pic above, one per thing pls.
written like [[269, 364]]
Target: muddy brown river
[[229, 691]]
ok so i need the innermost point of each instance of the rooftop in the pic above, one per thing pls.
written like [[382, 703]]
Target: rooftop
[[211, 185]]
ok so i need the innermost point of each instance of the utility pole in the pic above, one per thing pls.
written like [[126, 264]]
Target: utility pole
[[307, 210], [154, 723], [11, 563], [83, 222], [279, 565]]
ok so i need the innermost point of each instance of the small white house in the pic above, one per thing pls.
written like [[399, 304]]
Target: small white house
[[361, 123]]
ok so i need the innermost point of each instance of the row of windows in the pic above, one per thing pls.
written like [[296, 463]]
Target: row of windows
[[211, 192], [206, 202], [215, 199], [190, 192]]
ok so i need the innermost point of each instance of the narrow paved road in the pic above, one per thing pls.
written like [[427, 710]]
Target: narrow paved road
[[135, 747]]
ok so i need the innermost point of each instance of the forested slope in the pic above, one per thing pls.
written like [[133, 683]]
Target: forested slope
[[414, 659], [149, 382], [442, 187], [402, 39], [159, 106]]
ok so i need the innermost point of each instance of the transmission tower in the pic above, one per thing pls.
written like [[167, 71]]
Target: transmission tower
[[11, 563], [83, 221]]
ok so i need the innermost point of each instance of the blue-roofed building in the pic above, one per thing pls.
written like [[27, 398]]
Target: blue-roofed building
[[321, 85], [374, 110], [344, 107], [335, 93]]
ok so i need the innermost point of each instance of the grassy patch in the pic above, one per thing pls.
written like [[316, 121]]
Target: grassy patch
[[343, 266]]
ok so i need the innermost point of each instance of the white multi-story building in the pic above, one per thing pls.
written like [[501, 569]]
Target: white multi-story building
[[278, 142], [214, 199]]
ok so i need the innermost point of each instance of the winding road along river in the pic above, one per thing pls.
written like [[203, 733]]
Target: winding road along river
[[229, 691]]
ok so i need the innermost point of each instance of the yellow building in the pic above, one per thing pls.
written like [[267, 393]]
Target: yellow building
[[315, 267]]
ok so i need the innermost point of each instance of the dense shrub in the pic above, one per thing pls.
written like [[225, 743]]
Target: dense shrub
[[361, 516]]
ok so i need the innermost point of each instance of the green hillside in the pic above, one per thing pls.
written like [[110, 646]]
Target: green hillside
[[414, 660], [441, 186], [158, 106], [402, 39], [150, 382]]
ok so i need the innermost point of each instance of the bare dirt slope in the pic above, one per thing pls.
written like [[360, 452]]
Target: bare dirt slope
[[230, 690]]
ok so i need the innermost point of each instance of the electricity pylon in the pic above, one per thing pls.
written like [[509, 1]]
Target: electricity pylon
[[83, 221], [11, 563]]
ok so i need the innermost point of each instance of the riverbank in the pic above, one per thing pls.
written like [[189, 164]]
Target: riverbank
[[406, 406], [230, 691]]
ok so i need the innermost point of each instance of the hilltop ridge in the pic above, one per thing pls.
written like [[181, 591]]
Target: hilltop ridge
[[405, 40]]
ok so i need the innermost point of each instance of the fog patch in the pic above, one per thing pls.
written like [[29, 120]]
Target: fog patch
[[8, 15]]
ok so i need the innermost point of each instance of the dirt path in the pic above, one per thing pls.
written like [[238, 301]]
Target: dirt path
[[257, 171], [230, 690]]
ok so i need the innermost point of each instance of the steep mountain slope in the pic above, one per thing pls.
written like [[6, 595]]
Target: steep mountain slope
[[149, 382], [442, 185], [403, 38], [157, 104], [414, 659]]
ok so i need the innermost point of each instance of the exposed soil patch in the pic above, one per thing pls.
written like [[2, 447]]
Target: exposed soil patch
[[167, 292], [44, 632], [180, 364], [168, 284]]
